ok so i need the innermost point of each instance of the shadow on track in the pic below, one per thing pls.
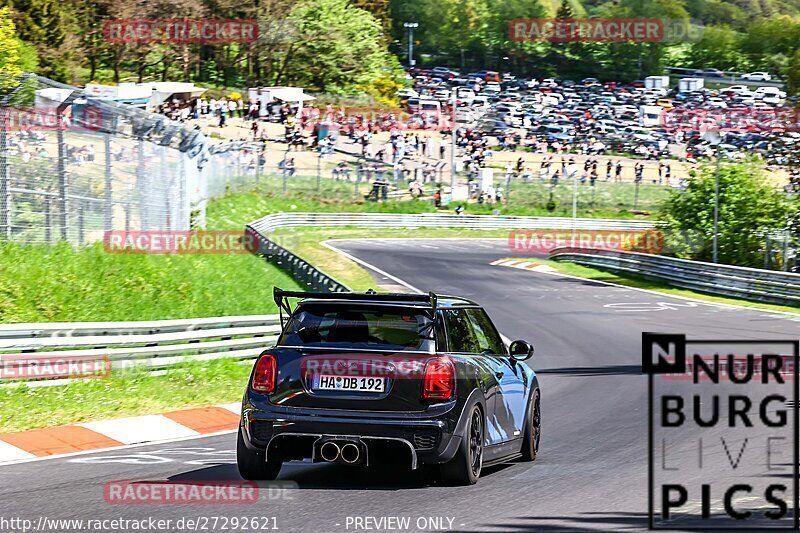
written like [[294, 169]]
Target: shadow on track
[[610, 370], [337, 477], [605, 521]]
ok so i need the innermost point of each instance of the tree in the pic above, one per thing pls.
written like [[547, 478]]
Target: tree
[[793, 73], [749, 206], [339, 47], [10, 67], [720, 46]]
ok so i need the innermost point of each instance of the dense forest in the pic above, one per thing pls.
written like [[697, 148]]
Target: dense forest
[[358, 46]]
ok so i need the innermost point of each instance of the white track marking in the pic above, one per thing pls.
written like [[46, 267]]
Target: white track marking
[[372, 267], [10, 453], [136, 429]]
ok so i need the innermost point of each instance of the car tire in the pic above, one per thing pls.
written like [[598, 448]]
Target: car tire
[[465, 467], [253, 465], [533, 429]]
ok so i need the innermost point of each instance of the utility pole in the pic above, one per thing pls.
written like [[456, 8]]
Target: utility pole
[[410, 27], [453, 143]]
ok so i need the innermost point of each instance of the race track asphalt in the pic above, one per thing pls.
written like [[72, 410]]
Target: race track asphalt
[[592, 472]]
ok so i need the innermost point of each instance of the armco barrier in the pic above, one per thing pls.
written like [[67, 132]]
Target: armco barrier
[[315, 279], [155, 344], [747, 283], [432, 220]]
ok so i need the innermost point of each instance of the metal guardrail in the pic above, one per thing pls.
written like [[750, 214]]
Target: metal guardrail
[[433, 220], [747, 283], [301, 270], [75, 329], [316, 280], [154, 344], [729, 78]]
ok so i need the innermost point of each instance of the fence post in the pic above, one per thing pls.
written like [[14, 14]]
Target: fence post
[[258, 152], [108, 211], [5, 177], [319, 171], [141, 177], [48, 219], [80, 223], [168, 219], [63, 182], [127, 217]]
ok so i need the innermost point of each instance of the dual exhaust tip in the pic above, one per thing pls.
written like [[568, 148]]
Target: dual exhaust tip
[[349, 452]]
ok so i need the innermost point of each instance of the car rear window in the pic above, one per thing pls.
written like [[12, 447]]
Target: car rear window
[[360, 326]]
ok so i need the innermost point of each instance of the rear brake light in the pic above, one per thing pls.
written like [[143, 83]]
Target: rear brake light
[[440, 379], [265, 373]]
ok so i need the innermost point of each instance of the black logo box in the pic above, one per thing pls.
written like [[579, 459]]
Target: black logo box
[[675, 346]]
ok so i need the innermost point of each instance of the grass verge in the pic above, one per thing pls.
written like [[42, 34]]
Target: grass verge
[[60, 283], [127, 393]]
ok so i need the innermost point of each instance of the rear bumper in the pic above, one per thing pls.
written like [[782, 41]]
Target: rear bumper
[[425, 437]]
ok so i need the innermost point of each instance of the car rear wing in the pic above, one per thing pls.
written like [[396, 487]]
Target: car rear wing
[[282, 298]]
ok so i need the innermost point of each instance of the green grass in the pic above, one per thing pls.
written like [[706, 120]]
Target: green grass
[[606, 200], [60, 283], [122, 394]]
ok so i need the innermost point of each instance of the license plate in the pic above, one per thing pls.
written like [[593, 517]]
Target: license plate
[[350, 383]]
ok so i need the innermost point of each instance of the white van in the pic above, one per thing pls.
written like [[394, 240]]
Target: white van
[[650, 115]]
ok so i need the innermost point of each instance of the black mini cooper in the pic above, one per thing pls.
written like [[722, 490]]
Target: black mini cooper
[[366, 378]]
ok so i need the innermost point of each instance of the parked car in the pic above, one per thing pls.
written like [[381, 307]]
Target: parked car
[[710, 73], [364, 379], [757, 76]]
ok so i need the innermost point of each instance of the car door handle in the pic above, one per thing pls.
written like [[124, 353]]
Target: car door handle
[[498, 375]]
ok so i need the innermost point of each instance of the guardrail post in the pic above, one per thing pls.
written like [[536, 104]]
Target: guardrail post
[[5, 177]]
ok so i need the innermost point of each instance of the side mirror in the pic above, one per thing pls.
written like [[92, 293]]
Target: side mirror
[[521, 350]]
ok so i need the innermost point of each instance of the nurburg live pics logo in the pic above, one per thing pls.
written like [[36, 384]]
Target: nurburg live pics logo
[[722, 434]]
